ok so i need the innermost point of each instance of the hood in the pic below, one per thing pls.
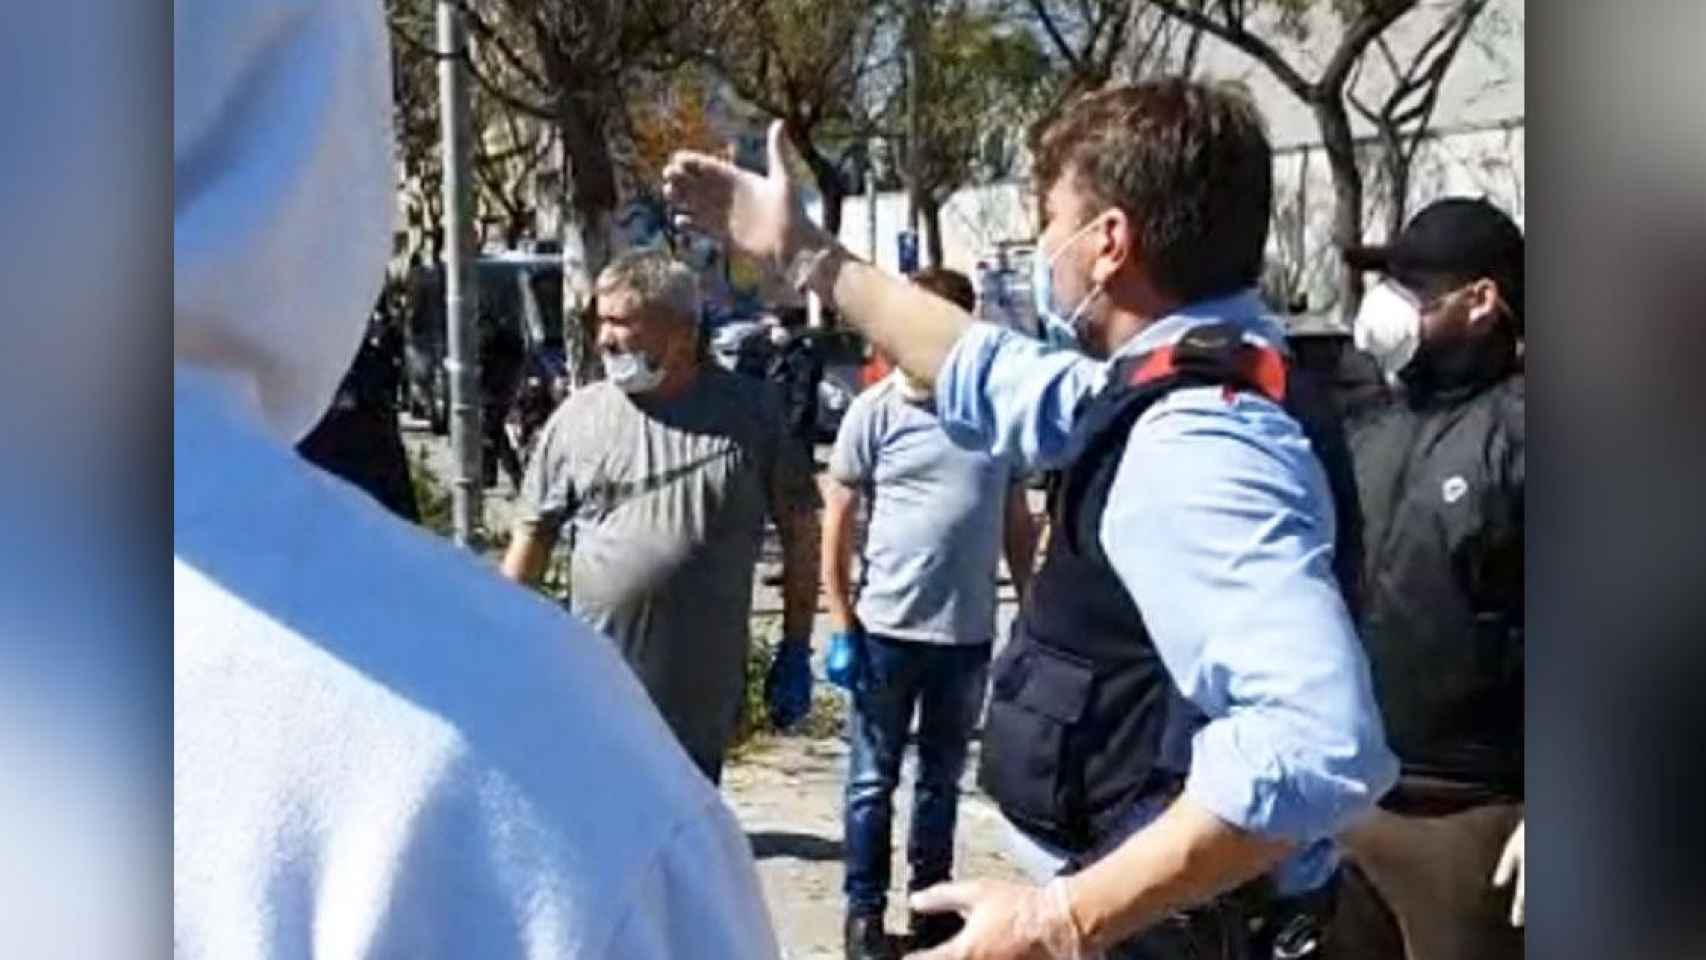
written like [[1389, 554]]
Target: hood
[[282, 194]]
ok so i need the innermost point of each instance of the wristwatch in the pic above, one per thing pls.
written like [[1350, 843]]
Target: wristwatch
[[803, 268]]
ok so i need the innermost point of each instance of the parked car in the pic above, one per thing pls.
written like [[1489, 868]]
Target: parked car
[[519, 299]]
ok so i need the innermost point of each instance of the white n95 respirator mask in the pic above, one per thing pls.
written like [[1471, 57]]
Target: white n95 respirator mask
[[1388, 327]]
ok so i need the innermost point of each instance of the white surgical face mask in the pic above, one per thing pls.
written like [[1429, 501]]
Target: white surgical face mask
[[1389, 328], [1058, 330], [632, 371]]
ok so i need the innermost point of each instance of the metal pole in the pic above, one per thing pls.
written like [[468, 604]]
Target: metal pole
[[914, 77], [871, 202], [461, 292]]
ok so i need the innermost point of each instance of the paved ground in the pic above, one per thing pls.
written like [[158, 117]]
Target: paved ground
[[787, 794], [786, 790]]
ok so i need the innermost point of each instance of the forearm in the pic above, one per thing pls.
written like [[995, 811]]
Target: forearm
[[799, 533], [529, 548], [838, 558], [1185, 857], [915, 327]]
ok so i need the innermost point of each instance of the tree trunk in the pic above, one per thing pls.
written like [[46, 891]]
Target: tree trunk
[[829, 186], [930, 212], [589, 207], [1398, 187], [1340, 148], [516, 226]]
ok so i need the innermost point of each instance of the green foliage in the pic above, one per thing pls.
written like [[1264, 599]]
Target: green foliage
[[985, 76], [829, 708], [431, 495], [811, 63]]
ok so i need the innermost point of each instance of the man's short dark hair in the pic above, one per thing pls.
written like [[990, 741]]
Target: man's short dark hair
[[951, 285], [1188, 162]]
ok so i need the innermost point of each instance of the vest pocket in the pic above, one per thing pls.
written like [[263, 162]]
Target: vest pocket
[[1037, 694]]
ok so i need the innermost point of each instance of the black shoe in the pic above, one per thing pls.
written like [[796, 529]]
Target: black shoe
[[934, 929], [864, 938]]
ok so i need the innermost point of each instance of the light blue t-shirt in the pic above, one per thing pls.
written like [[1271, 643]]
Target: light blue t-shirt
[[934, 533]]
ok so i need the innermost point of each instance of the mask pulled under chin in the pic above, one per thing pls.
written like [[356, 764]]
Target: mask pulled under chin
[[1389, 329], [632, 372]]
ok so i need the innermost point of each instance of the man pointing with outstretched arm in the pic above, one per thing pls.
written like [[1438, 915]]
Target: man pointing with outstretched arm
[[1185, 706]]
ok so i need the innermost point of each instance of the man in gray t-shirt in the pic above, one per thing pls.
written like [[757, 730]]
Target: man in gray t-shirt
[[938, 517], [661, 478]]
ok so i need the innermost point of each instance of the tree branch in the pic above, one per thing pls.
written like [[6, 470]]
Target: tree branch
[[1363, 30], [1116, 41], [1095, 25], [480, 28], [505, 97], [1233, 32], [1192, 48], [1363, 109], [1066, 52], [1391, 58], [417, 46], [1146, 51]]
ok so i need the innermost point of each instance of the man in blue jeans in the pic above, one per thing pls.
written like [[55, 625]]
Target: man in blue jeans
[[921, 635]]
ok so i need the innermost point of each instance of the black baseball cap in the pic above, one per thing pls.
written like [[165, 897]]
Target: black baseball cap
[[1455, 238]]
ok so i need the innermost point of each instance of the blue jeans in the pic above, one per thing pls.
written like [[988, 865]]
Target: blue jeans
[[946, 685]]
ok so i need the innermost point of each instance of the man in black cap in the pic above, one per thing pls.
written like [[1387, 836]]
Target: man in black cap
[[1440, 478]]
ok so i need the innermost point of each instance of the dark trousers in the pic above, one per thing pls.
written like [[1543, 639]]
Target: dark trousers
[[1418, 885], [1251, 922], [945, 684], [1213, 931]]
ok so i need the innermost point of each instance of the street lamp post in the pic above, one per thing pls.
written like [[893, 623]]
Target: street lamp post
[[461, 294]]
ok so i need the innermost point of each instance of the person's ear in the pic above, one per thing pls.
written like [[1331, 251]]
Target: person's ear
[[1482, 300], [1115, 244]]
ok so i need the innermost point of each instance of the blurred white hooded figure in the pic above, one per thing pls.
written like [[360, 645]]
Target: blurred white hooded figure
[[383, 749]]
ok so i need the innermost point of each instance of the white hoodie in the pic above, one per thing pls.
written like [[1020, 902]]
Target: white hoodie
[[382, 748]]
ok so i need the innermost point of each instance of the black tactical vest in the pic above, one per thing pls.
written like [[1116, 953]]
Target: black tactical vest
[[1083, 718]]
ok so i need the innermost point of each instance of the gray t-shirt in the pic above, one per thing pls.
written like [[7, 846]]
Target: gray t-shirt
[[663, 504], [933, 537]]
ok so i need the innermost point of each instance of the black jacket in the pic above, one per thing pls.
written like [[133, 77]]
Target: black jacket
[[358, 438], [796, 369], [1440, 481]]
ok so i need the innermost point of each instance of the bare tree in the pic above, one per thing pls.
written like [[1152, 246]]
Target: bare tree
[[1096, 42], [414, 97], [1285, 281], [981, 68], [566, 63], [806, 62], [1403, 119], [506, 171], [1361, 22], [509, 148]]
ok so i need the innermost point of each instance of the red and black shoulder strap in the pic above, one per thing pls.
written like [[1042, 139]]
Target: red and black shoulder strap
[[1213, 354]]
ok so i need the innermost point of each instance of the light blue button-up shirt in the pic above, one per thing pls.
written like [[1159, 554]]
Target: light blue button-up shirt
[[1220, 525]]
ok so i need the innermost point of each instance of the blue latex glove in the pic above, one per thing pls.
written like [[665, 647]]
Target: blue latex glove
[[788, 687], [841, 664]]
